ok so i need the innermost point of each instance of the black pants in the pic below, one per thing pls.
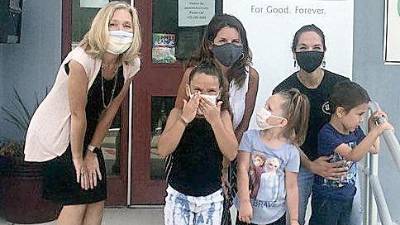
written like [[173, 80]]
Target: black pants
[[281, 221], [330, 212]]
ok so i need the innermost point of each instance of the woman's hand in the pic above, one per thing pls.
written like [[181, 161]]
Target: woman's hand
[[93, 169], [211, 112], [331, 171], [245, 211], [81, 172]]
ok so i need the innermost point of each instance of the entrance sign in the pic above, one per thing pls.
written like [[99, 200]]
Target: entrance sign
[[192, 13]]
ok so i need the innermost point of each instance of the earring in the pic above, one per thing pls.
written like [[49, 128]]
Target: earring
[[294, 63], [323, 63], [242, 56]]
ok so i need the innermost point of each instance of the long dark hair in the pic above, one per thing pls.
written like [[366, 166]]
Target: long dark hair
[[210, 69], [237, 72]]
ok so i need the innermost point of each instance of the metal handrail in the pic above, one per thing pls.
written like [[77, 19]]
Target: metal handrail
[[393, 145], [389, 137], [372, 206], [380, 200], [374, 197]]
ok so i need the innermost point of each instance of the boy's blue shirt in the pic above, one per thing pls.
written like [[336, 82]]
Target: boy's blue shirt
[[328, 140]]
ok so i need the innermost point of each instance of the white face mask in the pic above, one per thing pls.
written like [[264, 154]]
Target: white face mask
[[119, 41], [262, 116], [211, 98]]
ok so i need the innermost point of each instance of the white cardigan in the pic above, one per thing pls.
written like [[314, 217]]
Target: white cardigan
[[48, 135]]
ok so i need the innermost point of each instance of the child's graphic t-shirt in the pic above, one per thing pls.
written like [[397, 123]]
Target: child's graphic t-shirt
[[328, 140], [267, 176]]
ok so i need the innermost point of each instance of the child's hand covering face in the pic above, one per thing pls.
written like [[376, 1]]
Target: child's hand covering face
[[190, 107], [211, 111]]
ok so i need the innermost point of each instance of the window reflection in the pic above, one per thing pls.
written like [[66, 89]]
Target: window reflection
[[160, 108], [111, 147]]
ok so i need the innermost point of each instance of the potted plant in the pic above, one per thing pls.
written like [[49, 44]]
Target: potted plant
[[22, 181]]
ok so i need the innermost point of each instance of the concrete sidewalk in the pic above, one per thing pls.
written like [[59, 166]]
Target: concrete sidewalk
[[123, 216], [139, 215]]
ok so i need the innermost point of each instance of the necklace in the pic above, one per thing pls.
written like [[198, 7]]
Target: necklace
[[112, 91]]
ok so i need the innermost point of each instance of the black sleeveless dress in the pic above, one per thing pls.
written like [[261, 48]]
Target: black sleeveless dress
[[59, 183]]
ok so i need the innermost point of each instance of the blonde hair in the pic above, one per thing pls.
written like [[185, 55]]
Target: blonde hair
[[297, 110], [96, 39]]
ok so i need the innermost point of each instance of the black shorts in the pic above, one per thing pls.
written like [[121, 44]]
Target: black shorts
[[59, 181]]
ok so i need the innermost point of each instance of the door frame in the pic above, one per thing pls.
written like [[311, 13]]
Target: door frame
[[153, 80], [144, 189]]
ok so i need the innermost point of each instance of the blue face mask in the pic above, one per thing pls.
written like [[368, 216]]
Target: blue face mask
[[228, 53]]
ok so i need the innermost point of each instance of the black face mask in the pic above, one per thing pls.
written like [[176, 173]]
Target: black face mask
[[309, 60], [228, 53]]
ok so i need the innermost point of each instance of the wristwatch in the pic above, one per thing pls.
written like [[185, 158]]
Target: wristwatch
[[91, 148]]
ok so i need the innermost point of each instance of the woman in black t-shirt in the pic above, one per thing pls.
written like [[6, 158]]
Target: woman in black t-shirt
[[315, 82]]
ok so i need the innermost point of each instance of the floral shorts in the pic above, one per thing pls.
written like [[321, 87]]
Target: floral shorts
[[181, 209]]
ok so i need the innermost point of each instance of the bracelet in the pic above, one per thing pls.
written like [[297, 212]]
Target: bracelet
[[184, 120]]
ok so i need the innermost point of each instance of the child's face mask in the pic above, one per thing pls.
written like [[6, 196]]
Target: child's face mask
[[262, 116], [211, 98]]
